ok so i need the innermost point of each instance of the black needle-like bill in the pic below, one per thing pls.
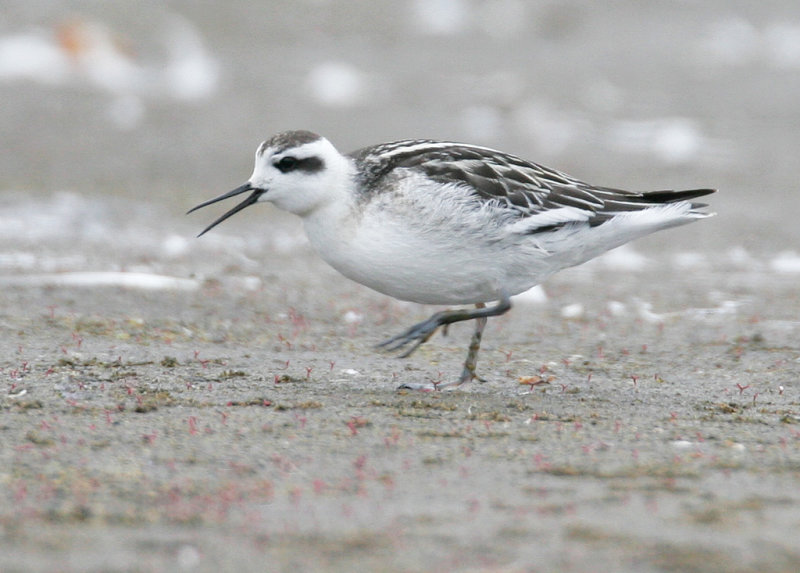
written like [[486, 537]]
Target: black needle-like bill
[[253, 198]]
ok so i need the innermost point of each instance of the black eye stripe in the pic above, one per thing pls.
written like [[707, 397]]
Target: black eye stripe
[[307, 164], [286, 164]]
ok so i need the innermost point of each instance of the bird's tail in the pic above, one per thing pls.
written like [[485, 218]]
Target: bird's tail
[[665, 197], [617, 202]]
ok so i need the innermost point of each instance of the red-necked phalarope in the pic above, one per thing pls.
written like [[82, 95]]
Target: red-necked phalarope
[[436, 222]]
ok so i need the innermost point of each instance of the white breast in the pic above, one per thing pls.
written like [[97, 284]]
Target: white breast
[[426, 243]]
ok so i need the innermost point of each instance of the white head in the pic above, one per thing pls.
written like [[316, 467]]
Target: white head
[[298, 171]]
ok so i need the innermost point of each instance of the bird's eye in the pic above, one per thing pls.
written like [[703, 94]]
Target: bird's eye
[[286, 163]]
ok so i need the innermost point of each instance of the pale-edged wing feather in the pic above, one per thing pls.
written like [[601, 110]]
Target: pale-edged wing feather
[[547, 197]]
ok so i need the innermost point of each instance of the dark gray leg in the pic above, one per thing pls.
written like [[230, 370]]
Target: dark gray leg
[[420, 333], [468, 373]]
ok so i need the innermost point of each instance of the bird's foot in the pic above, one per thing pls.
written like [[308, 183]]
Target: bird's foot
[[414, 336]]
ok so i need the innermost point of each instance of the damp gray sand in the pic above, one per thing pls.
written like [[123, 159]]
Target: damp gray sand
[[241, 430], [227, 410]]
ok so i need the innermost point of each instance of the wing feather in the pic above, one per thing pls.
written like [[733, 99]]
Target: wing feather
[[542, 197]]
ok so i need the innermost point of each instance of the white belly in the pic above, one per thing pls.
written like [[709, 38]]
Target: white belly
[[429, 262], [437, 244]]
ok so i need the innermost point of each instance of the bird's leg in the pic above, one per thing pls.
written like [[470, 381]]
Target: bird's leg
[[468, 373], [420, 333]]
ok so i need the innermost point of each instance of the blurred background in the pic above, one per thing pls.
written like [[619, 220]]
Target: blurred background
[[117, 116]]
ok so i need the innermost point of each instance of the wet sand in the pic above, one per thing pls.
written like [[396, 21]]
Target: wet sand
[[248, 429], [226, 410]]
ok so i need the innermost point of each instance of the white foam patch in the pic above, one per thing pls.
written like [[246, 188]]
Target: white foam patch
[[683, 444], [247, 283], [191, 72], [739, 257], [352, 317], [786, 262], [33, 56], [534, 295], [68, 232], [616, 308], [644, 311], [673, 140], [61, 217], [337, 84], [57, 217], [623, 258], [689, 261], [88, 52], [175, 246], [573, 311], [289, 242], [734, 41], [725, 308], [17, 260], [144, 281], [440, 17]]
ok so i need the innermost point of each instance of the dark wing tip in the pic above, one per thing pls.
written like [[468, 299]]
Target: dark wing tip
[[673, 196]]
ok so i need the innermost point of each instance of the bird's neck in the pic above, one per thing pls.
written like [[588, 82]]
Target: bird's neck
[[335, 212]]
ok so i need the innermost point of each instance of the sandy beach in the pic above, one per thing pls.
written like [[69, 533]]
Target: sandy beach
[[218, 404]]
